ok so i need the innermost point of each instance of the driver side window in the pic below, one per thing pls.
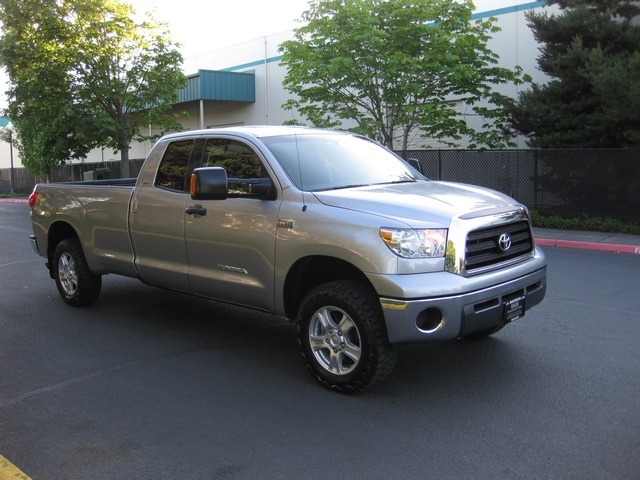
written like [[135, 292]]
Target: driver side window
[[239, 160]]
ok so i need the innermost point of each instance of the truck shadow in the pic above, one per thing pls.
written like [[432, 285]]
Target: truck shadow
[[182, 325]]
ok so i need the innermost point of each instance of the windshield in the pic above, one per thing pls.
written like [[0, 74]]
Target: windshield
[[316, 162]]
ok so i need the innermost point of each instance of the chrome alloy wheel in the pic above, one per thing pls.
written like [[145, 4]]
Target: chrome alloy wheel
[[68, 274], [335, 340]]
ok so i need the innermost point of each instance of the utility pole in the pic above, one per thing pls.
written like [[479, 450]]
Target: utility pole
[[12, 181]]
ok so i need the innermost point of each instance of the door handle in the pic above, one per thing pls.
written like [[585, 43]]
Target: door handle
[[196, 210]]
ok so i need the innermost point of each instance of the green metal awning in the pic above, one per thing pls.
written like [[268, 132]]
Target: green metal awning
[[219, 85]]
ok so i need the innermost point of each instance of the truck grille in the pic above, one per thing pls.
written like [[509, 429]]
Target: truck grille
[[489, 246]]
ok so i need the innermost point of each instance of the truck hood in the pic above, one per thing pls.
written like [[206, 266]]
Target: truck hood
[[419, 204]]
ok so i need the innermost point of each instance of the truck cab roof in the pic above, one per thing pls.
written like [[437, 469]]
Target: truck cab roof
[[256, 131]]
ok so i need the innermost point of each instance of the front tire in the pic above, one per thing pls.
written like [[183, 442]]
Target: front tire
[[342, 336], [77, 285]]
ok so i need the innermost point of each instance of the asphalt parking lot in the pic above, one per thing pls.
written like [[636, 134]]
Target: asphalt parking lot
[[153, 384]]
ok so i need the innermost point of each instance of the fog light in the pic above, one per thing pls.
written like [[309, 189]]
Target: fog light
[[430, 320]]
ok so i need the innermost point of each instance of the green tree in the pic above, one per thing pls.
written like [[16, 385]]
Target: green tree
[[397, 68], [591, 51], [85, 74], [48, 130]]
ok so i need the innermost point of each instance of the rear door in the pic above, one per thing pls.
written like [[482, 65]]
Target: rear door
[[231, 248], [157, 219]]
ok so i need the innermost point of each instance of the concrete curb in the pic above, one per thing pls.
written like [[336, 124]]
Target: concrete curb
[[14, 200], [597, 246]]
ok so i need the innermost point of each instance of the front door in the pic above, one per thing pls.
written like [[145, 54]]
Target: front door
[[231, 248]]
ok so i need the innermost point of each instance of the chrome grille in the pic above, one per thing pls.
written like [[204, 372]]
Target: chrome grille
[[483, 246]]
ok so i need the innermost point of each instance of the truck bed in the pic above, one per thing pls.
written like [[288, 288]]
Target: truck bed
[[99, 211], [111, 182]]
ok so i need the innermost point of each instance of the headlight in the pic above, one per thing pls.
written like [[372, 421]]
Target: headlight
[[409, 243]]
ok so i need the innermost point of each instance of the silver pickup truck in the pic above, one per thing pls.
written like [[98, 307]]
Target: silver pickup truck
[[328, 229]]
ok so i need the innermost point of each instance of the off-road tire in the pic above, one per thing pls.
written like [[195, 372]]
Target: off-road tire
[[343, 338], [78, 286]]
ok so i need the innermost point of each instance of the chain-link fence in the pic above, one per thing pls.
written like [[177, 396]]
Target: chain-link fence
[[569, 183]]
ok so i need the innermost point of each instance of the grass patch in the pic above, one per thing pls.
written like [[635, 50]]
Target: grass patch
[[14, 195], [585, 223]]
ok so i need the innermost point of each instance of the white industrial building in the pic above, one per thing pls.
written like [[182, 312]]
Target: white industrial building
[[242, 84]]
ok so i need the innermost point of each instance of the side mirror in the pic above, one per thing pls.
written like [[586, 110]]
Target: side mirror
[[209, 183], [415, 163], [260, 187]]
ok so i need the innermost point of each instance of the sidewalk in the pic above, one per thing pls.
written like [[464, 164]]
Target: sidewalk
[[546, 237], [605, 242]]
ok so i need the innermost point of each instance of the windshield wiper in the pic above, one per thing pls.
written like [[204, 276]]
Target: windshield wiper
[[341, 187], [355, 185], [397, 181]]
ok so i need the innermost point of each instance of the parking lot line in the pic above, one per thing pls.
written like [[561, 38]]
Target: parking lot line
[[9, 471]]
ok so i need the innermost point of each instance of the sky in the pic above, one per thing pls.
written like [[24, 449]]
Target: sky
[[205, 26]]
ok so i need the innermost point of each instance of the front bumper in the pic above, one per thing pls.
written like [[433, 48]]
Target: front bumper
[[448, 317]]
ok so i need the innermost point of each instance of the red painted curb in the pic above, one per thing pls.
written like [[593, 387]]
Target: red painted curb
[[602, 247]]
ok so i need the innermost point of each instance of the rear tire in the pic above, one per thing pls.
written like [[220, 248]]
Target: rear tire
[[343, 337], [78, 286]]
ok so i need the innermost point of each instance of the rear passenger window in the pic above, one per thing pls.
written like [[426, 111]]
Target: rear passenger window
[[173, 166]]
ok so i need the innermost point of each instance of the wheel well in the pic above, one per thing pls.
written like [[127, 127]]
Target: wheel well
[[58, 232], [309, 272]]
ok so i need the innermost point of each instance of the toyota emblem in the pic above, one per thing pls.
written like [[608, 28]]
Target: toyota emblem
[[504, 242]]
